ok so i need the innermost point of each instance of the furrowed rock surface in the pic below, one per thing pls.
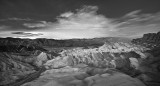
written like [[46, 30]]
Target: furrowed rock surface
[[14, 67], [12, 70], [115, 55]]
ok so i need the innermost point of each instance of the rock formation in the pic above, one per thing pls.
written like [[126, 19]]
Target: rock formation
[[149, 40], [72, 77], [114, 63], [12, 69]]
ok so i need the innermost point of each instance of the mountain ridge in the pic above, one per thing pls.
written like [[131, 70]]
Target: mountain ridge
[[151, 40]]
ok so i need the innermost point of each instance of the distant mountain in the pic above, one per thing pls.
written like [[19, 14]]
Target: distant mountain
[[41, 42]]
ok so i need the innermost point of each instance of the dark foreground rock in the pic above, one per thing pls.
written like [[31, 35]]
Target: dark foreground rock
[[71, 77]]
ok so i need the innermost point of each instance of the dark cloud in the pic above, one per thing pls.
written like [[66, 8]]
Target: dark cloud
[[16, 19], [47, 10], [21, 24], [26, 34], [40, 24]]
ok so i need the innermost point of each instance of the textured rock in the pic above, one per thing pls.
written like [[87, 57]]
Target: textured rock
[[120, 47], [59, 62], [134, 63], [65, 69], [40, 59], [122, 63], [144, 77], [12, 70], [98, 57], [105, 79], [116, 79], [61, 70], [150, 40]]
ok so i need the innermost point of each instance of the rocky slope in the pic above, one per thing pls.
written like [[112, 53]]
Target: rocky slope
[[151, 40], [76, 77], [12, 69], [114, 63], [101, 66], [15, 67], [97, 57]]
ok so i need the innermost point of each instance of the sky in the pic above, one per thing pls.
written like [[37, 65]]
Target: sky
[[68, 19]]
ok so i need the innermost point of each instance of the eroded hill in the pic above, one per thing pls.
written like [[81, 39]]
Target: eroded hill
[[113, 63]]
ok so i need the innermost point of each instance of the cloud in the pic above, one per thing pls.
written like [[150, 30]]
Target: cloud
[[84, 23], [16, 19], [40, 24], [3, 27], [16, 24], [132, 14], [26, 34], [85, 18], [20, 19], [87, 23], [67, 14], [135, 24]]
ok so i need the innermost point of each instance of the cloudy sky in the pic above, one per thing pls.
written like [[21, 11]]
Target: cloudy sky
[[66, 19]]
